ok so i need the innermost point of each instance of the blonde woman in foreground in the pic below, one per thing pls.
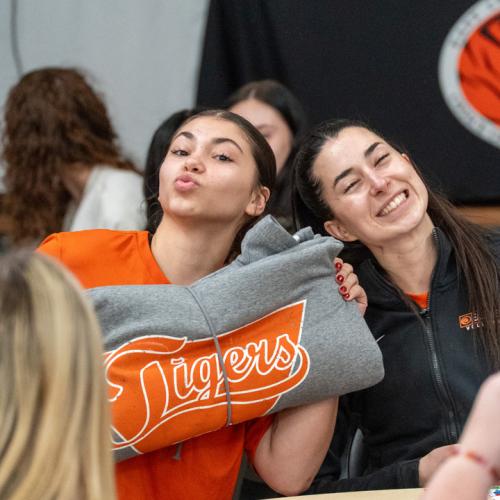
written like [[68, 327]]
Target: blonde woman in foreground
[[53, 404], [476, 467]]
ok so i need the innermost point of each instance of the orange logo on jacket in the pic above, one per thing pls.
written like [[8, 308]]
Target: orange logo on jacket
[[164, 390], [470, 321]]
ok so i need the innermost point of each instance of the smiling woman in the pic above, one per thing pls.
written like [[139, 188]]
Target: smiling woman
[[427, 268], [376, 192]]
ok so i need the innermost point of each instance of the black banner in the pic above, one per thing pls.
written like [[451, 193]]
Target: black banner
[[425, 73]]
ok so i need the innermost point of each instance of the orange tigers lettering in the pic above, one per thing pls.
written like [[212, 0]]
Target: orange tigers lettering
[[164, 390]]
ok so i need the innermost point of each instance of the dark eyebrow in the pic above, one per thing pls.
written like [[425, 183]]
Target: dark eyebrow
[[189, 135], [339, 177], [264, 125], [218, 140], [347, 171], [369, 151]]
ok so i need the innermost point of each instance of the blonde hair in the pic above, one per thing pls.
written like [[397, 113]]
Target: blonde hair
[[55, 427]]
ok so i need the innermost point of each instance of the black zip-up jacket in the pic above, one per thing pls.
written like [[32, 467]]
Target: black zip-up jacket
[[432, 374]]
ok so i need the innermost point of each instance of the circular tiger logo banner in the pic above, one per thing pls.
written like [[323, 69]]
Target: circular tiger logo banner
[[469, 70]]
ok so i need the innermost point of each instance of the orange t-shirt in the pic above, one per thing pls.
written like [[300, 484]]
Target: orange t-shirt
[[419, 298], [209, 464]]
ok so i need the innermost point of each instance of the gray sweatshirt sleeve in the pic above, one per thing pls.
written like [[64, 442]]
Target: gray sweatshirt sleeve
[[268, 332]]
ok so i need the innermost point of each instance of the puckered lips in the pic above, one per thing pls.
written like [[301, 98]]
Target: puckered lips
[[185, 182], [393, 203]]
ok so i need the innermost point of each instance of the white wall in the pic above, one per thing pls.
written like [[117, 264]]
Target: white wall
[[142, 55]]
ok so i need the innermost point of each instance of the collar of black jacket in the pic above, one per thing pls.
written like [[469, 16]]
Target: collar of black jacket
[[382, 292]]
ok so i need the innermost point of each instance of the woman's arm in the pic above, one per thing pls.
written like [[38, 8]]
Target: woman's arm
[[292, 450]]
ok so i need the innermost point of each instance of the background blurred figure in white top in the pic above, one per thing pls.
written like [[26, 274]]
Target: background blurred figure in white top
[[64, 168]]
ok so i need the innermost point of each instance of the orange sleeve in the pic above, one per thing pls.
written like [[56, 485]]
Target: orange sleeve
[[51, 246], [255, 430]]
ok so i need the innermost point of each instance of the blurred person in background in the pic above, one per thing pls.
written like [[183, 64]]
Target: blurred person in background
[[55, 434], [63, 167], [278, 115]]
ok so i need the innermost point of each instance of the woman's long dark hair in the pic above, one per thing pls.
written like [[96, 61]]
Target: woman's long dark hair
[[475, 261], [280, 98]]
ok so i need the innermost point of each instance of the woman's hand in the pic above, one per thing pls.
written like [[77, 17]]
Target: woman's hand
[[431, 462], [349, 287]]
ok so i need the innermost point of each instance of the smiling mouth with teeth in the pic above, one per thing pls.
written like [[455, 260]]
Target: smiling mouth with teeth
[[396, 201]]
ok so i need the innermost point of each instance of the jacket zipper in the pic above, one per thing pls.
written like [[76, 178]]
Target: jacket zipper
[[452, 427]]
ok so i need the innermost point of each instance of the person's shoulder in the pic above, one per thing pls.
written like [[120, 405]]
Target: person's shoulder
[[120, 197], [118, 186], [89, 245], [96, 256], [110, 174], [90, 236]]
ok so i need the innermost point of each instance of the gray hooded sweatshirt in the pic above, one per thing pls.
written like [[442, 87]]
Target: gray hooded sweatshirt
[[267, 332]]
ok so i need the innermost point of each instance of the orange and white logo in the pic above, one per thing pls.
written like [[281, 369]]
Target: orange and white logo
[[164, 390], [469, 321], [469, 65]]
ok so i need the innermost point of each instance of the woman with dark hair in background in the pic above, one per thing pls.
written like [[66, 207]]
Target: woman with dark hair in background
[[157, 150], [214, 184], [64, 169], [433, 300], [271, 108]]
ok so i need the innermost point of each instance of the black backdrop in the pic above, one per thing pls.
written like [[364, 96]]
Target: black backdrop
[[371, 59]]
